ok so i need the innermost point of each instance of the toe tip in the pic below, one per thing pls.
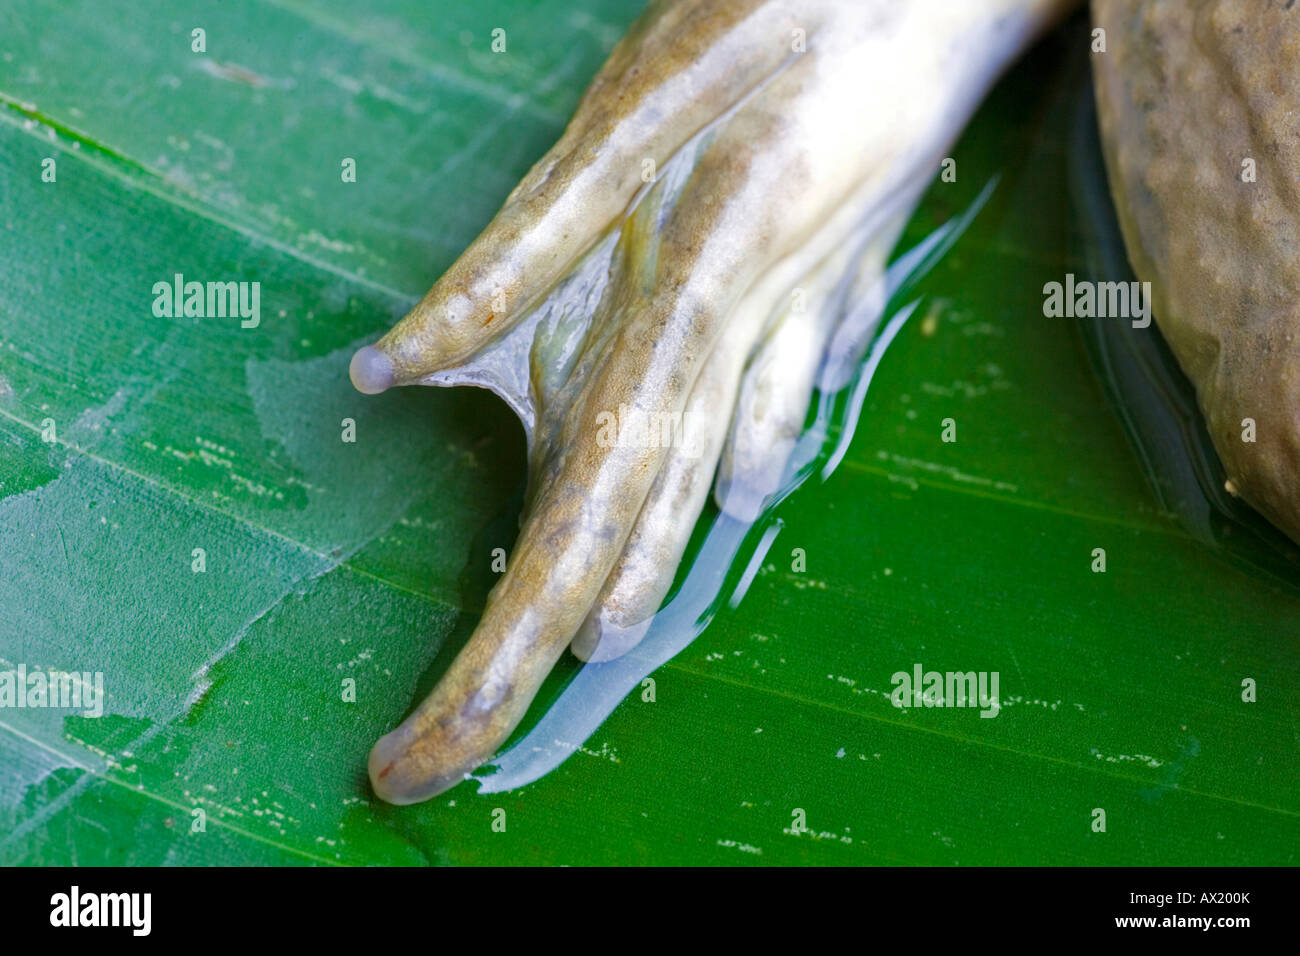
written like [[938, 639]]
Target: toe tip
[[599, 641], [399, 779], [371, 371]]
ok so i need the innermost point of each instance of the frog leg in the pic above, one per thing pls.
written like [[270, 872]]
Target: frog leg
[[773, 160]]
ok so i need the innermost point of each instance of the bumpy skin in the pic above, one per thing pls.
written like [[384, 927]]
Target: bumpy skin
[[1187, 90], [793, 138]]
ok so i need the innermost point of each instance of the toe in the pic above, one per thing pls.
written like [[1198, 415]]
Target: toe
[[371, 370]]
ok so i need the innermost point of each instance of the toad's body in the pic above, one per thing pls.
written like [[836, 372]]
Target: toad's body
[[1199, 102]]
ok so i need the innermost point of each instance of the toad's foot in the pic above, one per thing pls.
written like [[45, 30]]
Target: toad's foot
[[656, 298]]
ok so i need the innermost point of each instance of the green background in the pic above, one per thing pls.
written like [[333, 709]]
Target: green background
[[328, 560]]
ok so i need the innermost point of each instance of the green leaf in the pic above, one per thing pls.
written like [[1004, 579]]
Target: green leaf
[[327, 560]]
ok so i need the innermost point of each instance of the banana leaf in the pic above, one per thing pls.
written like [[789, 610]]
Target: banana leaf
[[182, 512]]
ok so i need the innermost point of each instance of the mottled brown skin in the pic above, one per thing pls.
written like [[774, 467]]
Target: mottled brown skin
[[1187, 90]]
